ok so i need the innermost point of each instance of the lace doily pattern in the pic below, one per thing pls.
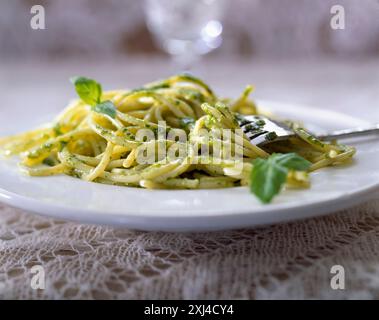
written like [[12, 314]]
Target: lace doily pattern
[[285, 261]]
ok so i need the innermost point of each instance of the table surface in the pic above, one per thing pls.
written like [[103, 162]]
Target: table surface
[[290, 261]]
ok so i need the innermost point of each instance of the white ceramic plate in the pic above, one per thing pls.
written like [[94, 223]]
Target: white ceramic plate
[[65, 197]]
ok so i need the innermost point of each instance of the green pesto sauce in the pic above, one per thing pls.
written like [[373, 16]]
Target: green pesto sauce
[[271, 136]]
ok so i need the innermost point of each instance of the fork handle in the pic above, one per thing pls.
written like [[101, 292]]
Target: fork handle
[[350, 133]]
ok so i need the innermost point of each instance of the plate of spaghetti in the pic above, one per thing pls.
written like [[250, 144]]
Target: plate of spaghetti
[[170, 156]]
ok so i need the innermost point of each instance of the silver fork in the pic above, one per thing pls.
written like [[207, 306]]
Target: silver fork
[[261, 130]]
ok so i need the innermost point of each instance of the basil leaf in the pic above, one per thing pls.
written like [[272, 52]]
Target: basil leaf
[[292, 161], [269, 175], [106, 107], [88, 90], [267, 178]]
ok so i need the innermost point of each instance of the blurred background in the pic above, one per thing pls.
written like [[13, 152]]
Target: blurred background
[[287, 48], [268, 28], [251, 28]]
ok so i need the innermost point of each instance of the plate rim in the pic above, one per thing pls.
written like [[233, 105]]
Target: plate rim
[[161, 221]]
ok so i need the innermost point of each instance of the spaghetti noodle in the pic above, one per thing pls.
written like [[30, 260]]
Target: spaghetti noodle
[[103, 146]]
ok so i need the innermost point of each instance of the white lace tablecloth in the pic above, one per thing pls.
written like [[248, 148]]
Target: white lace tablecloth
[[290, 261]]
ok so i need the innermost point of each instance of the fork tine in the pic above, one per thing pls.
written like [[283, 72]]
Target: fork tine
[[262, 130]]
